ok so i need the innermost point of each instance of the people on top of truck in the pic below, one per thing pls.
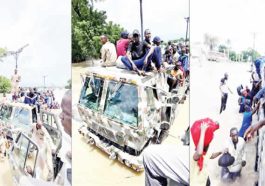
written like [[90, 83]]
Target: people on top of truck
[[122, 44], [108, 52], [142, 56]]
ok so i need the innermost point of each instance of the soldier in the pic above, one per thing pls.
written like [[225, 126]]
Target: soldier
[[15, 79]]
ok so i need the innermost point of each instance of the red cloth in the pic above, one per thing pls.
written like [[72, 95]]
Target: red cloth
[[209, 134], [122, 46]]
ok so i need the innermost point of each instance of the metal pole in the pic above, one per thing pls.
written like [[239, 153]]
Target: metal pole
[[187, 28], [141, 16], [16, 56], [44, 82], [254, 39]]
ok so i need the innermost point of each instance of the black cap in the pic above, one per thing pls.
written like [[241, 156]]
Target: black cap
[[147, 31], [136, 32]]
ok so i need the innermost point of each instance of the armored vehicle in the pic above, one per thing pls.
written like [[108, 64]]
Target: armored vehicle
[[124, 112], [19, 117]]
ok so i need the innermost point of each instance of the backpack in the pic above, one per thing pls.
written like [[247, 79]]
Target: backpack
[[226, 160]]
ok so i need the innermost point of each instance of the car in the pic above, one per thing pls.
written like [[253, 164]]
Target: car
[[124, 113]]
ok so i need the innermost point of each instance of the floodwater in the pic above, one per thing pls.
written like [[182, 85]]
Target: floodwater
[[205, 101], [92, 166]]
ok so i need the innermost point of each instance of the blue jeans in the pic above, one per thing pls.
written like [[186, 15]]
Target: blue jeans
[[229, 176], [257, 66], [139, 63]]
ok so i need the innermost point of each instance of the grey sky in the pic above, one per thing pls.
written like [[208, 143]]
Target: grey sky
[[236, 20], [164, 18], [46, 26]]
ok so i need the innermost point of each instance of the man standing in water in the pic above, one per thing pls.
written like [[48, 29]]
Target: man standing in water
[[224, 92]]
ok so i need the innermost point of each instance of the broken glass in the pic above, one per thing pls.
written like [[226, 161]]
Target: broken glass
[[122, 103], [91, 93]]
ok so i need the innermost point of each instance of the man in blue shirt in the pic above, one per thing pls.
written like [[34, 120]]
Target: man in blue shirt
[[258, 64], [247, 119], [140, 58], [259, 95], [184, 59]]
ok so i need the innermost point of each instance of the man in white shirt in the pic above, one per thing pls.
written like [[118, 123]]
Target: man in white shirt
[[108, 52], [236, 147], [224, 92]]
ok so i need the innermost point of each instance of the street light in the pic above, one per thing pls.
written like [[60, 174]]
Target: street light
[[16, 53]]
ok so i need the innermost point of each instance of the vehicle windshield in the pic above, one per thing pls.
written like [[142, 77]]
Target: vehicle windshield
[[21, 117], [25, 154], [5, 112], [91, 93], [122, 103]]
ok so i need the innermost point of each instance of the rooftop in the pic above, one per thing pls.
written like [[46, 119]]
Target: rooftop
[[117, 74]]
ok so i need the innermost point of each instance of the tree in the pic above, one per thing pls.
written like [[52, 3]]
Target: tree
[[222, 48], [249, 53], [88, 25], [2, 53], [69, 84], [232, 55], [5, 85], [210, 41]]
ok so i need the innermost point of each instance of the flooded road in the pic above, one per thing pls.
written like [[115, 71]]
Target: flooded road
[[205, 101], [92, 166]]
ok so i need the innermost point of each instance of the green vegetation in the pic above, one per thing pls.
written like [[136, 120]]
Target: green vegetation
[[87, 26], [69, 84], [2, 52], [5, 85]]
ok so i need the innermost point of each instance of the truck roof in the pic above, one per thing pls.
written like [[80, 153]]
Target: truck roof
[[115, 73], [18, 104]]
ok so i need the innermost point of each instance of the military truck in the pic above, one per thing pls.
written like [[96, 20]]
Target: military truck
[[17, 120], [124, 112], [19, 117], [23, 157]]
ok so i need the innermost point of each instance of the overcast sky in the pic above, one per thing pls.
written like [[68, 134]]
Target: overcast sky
[[164, 18], [236, 20], [46, 26]]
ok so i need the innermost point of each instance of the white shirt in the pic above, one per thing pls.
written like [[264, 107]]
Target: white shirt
[[238, 153], [224, 88], [108, 54]]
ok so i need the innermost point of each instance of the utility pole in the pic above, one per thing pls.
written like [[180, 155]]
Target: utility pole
[[44, 77], [141, 16], [254, 42], [187, 28]]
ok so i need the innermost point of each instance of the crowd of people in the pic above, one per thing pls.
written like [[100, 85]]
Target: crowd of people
[[232, 158], [41, 99], [144, 56]]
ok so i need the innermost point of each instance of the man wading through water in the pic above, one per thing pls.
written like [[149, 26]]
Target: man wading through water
[[224, 92]]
